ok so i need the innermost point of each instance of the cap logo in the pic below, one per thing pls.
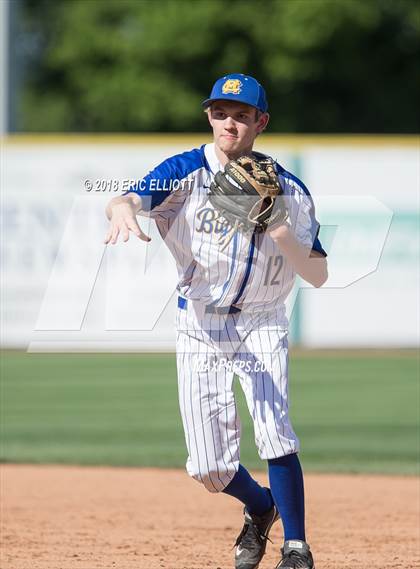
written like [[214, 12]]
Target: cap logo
[[232, 86]]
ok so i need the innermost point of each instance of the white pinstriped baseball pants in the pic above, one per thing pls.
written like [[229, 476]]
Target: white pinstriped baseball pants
[[256, 347]]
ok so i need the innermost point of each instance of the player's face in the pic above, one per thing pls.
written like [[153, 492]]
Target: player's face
[[235, 126]]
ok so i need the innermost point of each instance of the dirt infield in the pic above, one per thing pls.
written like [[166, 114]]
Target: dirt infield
[[57, 517]]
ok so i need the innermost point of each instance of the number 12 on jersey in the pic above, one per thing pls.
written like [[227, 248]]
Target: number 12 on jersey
[[274, 265]]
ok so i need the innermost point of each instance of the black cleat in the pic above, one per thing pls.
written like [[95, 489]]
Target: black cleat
[[296, 555], [252, 541]]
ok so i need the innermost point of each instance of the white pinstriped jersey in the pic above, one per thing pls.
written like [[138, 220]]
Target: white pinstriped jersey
[[250, 272]]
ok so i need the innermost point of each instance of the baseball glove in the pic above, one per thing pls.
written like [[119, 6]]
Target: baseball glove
[[248, 195]]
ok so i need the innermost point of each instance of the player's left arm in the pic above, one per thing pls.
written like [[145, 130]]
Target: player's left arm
[[311, 265]]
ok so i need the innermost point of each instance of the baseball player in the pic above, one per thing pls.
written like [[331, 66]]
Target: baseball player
[[235, 270]]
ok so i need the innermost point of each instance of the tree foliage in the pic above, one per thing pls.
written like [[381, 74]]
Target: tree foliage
[[143, 65]]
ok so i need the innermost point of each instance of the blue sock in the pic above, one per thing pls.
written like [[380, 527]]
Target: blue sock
[[286, 483], [257, 499]]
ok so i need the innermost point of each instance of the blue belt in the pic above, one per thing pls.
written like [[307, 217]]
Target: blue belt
[[182, 303]]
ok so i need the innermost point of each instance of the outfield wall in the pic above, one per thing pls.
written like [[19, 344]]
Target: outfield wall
[[61, 288]]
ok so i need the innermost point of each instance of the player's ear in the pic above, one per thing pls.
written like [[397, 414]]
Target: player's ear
[[262, 122], [208, 113]]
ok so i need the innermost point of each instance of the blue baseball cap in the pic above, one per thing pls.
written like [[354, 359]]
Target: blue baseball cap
[[241, 88]]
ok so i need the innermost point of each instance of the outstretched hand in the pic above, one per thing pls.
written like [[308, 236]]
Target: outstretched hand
[[122, 220]]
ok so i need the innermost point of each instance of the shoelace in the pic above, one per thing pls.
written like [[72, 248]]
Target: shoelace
[[298, 559], [247, 540]]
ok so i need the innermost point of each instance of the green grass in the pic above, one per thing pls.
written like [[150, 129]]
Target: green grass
[[353, 411]]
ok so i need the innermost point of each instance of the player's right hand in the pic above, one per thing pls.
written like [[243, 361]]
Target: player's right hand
[[122, 221]]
